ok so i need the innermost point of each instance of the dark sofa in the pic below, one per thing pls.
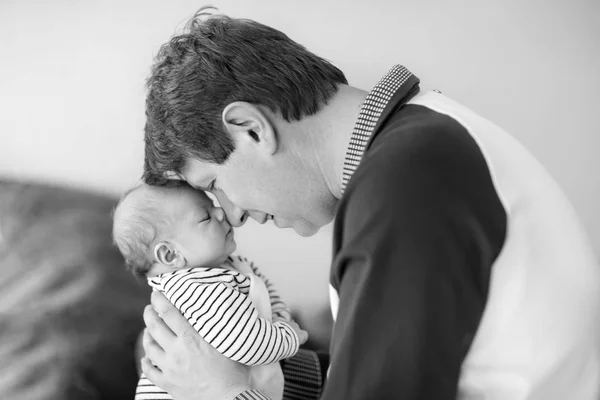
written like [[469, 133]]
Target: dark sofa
[[69, 311]]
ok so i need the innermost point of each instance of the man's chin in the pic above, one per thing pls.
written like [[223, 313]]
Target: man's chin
[[306, 231], [301, 226]]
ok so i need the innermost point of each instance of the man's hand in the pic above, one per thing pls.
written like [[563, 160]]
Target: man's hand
[[181, 362]]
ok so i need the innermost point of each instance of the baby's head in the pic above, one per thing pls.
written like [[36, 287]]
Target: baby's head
[[162, 229]]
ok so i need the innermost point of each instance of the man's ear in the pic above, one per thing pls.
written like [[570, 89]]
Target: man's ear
[[173, 176], [166, 254], [249, 125]]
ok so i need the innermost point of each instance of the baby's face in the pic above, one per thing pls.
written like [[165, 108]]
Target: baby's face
[[201, 232]]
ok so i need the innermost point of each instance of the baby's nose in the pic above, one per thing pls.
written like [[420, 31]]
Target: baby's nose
[[219, 213]]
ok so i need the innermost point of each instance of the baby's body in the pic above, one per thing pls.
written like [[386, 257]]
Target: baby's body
[[185, 252]]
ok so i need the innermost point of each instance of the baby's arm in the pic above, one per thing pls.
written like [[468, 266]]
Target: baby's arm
[[279, 309], [226, 319]]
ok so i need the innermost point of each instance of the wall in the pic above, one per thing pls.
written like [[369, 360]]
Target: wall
[[72, 89]]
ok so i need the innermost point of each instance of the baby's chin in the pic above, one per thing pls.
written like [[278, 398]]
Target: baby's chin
[[231, 247]]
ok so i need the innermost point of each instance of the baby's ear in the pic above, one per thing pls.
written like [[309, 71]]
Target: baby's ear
[[166, 254]]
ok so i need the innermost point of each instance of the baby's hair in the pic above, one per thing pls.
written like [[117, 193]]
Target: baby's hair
[[138, 225]]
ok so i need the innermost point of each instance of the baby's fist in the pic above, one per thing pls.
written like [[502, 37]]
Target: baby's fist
[[302, 334]]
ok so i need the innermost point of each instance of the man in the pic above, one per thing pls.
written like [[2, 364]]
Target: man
[[460, 269]]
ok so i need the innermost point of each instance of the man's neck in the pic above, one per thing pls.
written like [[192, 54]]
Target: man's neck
[[327, 134]]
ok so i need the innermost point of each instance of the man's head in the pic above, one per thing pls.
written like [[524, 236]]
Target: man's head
[[224, 99], [162, 229]]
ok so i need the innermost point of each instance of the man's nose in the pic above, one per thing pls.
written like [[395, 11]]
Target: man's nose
[[235, 215]]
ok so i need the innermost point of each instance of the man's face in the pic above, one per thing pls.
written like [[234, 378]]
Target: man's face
[[278, 187]]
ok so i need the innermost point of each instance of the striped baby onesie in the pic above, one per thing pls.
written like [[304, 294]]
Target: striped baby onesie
[[216, 302]]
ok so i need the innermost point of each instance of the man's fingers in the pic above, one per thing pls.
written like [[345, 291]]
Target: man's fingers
[[157, 328], [171, 316], [153, 351], [154, 374]]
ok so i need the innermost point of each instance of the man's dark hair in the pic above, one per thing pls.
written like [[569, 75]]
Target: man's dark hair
[[217, 61]]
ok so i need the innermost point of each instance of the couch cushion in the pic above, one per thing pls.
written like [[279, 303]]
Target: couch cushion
[[69, 311]]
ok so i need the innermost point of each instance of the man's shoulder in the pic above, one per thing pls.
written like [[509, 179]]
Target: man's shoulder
[[415, 131], [418, 158], [414, 144]]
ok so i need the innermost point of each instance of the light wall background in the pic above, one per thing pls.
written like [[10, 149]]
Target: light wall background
[[72, 91]]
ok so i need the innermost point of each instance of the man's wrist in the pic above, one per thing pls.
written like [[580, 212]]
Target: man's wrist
[[234, 390]]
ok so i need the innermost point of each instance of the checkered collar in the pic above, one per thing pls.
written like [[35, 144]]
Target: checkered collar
[[398, 81]]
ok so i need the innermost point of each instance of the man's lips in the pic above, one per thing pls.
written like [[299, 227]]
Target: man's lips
[[279, 224], [267, 218]]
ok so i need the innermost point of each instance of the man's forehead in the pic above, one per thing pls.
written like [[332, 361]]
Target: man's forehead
[[195, 173]]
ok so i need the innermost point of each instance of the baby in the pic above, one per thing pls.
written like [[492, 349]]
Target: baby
[[176, 238]]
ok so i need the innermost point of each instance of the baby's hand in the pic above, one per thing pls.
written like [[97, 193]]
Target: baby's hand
[[302, 334]]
